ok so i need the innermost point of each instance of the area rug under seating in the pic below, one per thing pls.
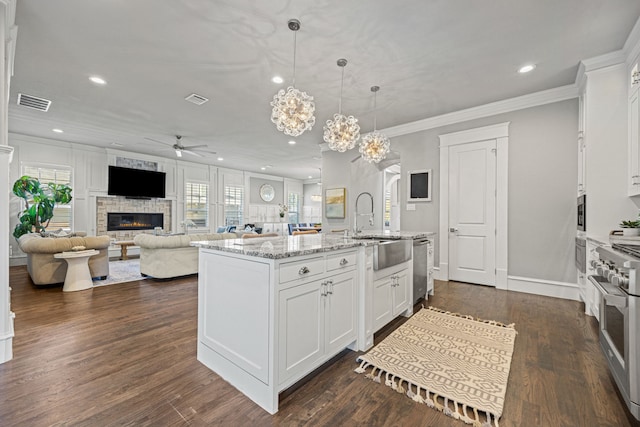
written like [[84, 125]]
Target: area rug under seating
[[454, 363], [121, 272]]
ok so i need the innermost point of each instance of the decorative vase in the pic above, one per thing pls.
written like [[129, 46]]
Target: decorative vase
[[631, 232]]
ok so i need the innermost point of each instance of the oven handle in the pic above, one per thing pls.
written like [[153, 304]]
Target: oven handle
[[611, 294]]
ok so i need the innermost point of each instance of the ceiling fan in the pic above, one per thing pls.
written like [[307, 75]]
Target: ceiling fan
[[194, 150]]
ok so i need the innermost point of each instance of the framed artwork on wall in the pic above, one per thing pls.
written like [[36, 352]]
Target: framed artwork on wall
[[334, 202], [419, 186]]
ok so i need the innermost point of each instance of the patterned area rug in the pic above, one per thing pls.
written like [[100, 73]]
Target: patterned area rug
[[121, 272], [454, 363]]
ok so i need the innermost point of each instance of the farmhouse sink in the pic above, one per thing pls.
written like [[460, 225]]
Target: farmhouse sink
[[388, 253]]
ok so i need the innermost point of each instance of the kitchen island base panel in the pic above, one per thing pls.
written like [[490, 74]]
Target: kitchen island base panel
[[234, 312], [262, 394]]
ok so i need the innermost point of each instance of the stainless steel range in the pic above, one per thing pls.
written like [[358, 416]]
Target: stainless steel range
[[618, 280]]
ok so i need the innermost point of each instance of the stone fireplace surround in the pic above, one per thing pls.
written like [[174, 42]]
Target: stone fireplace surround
[[111, 204]]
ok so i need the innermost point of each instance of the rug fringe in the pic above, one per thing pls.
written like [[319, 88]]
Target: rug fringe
[[421, 395], [466, 316]]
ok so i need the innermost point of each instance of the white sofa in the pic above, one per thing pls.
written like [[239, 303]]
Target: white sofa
[[164, 257]]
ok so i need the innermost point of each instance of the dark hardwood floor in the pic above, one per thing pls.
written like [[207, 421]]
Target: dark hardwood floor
[[125, 354]]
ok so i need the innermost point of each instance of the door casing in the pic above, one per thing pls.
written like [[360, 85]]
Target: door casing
[[499, 132]]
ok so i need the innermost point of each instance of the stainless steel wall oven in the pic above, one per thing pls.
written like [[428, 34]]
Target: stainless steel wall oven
[[619, 284], [582, 213]]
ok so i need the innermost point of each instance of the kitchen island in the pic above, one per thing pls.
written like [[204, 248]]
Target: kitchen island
[[273, 309]]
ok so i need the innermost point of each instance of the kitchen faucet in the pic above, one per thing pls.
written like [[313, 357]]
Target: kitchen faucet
[[357, 230]]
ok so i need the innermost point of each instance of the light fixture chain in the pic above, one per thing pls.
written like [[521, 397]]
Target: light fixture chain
[[295, 33], [341, 86], [375, 110]]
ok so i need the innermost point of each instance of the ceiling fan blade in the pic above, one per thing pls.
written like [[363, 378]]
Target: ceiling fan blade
[[191, 147], [159, 142], [193, 153]]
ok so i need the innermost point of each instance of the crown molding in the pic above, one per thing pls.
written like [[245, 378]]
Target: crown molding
[[631, 47], [549, 96]]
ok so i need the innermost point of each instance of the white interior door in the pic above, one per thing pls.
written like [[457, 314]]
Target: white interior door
[[472, 212]]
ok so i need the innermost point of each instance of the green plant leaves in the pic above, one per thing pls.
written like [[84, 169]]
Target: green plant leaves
[[39, 203]]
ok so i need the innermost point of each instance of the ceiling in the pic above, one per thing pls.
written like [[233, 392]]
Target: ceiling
[[428, 57]]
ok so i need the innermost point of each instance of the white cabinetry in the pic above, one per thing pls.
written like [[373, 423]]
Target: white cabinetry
[[634, 144], [317, 319], [263, 324], [390, 295]]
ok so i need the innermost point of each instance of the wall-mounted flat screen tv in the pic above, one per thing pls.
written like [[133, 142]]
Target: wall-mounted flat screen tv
[[136, 183]]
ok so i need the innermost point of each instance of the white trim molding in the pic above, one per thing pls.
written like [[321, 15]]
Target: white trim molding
[[549, 96], [499, 132], [543, 287]]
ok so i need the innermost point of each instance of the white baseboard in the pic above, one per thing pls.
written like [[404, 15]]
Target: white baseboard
[[547, 288], [6, 342]]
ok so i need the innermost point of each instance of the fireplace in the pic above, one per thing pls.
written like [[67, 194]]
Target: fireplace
[[134, 221]]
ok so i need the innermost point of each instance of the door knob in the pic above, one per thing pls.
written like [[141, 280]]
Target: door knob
[[453, 229]]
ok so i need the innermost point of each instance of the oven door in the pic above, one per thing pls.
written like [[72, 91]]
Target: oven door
[[614, 332]]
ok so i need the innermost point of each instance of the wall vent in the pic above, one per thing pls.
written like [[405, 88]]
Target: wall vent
[[196, 99], [33, 102]]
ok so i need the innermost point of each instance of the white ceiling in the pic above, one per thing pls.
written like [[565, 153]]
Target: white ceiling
[[429, 58]]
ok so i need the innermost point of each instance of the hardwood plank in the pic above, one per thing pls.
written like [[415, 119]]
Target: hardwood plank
[[125, 354]]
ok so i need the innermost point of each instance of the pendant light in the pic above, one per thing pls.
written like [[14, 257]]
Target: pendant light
[[293, 109], [375, 145], [341, 133]]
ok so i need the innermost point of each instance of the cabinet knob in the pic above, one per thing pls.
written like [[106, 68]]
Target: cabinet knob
[[303, 270], [344, 261]]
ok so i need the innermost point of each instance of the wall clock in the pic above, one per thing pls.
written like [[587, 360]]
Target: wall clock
[[267, 193]]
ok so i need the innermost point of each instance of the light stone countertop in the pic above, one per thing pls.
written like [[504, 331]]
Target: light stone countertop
[[394, 235], [285, 246]]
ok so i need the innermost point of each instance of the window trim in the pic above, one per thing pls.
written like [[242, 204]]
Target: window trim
[[207, 207]]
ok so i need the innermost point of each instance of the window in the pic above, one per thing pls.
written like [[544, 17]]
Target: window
[[197, 204], [233, 205], [387, 208], [294, 207], [62, 214]]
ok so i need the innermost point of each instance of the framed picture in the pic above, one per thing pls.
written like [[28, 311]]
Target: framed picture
[[334, 201], [419, 185]]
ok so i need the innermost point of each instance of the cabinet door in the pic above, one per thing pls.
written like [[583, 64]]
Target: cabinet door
[[634, 146], [400, 293], [382, 304], [340, 311], [300, 329]]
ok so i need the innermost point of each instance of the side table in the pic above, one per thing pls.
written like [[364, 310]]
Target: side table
[[124, 244], [78, 277]]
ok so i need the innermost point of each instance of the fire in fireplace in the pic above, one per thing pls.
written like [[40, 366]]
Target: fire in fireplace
[[134, 221]]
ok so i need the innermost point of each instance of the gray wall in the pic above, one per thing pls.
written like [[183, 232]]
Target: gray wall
[[542, 186]]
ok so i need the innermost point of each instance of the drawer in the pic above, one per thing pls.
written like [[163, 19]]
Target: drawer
[[301, 269], [345, 261]]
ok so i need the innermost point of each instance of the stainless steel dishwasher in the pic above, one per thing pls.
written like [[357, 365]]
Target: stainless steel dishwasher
[[420, 268]]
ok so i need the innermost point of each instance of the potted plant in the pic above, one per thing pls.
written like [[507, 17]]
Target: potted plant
[[40, 199], [630, 228], [283, 209]]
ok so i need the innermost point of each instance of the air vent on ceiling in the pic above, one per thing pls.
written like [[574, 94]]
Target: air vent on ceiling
[[196, 99], [33, 102]]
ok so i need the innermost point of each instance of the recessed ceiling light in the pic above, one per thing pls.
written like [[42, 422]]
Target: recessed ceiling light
[[263, 168], [292, 142], [117, 144], [98, 80], [220, 159], [527, 68], [57, 130], [277, 79], [310, 177]]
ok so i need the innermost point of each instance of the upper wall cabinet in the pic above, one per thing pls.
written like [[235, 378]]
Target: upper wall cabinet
[[582, 148], [634, 135]]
